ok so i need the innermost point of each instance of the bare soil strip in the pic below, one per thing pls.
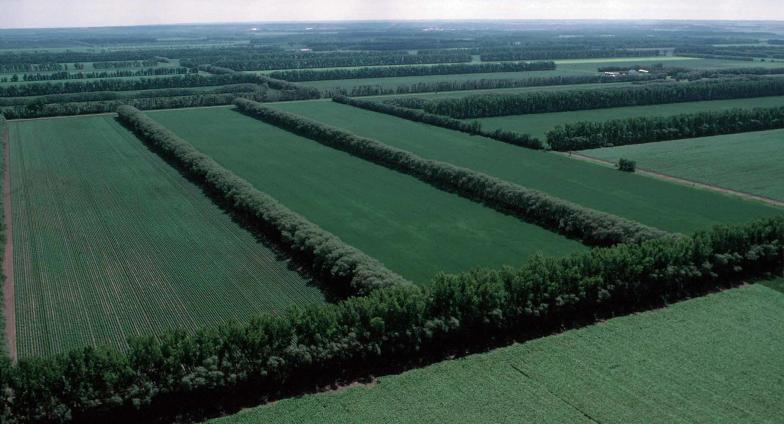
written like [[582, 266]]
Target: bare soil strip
[[677, 180], [9, 309]]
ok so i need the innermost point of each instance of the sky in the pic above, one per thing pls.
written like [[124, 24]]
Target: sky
[[79, 13]]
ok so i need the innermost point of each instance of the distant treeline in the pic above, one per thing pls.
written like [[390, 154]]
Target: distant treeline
[[618, 132], [8, 68], [590, 226], [270, 61], [346, 270], [179, 374], [190, 80], [556, 53], [749, 52], [484, 105], [482, 84], [474, 127], [127, 64], [64, 75], [408, 71]]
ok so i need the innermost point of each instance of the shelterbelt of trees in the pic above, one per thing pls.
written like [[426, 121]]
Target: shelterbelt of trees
[[201, 373], [482, 84], [123, 73], [347, 270], [748, 52], [592, 227], [618, 132], [190, 80], [333, 59], [473, 127], [408, 71], [550, 54], [485, 105]]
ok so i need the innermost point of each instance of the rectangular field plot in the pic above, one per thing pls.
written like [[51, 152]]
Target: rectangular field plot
[[411, 227], [564, 67], [538, 124], [653, 202], [749, 162], [111, 242], [712, 359]]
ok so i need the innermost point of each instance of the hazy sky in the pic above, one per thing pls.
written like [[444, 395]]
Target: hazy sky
[[59, 13]]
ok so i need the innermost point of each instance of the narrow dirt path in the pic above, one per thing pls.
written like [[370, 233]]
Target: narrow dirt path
[[677, 180], [9, 309]]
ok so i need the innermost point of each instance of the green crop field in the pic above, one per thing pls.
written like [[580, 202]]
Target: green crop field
[[749, 162], [538, 124], [657, 203], [111, 242], [516, 90], [712, 359], [408, 225], [564, 67]]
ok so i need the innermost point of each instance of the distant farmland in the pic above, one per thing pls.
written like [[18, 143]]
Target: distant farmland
[[538, 124], [711, 359], [656, 203], [111, 242], [750, 162], [411, 227]]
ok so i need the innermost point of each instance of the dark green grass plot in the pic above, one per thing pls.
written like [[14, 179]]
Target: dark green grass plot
[[111, 242], [652, 202], [712, 359], [411, 227]]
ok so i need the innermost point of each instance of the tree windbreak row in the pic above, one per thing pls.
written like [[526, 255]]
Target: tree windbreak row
[[555, 53], [590, 226], [482, 84], [266, 62], [619, 132], [410, 71], [397, 327], [123, 73], [347, 270], [487, 105], [180, 81], [473, 127]]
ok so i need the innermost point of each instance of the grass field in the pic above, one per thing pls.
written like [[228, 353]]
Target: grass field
[[712, 359], [110, 241], [411, 227], [564, 67], [750, 162], [650, 201], [538, 124]]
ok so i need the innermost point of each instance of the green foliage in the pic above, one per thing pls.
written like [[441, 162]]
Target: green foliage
[[345, 268], [505, 54], [407, 71], [560, 101], [618, 132], [590, 226], [627, 165], [300, 348]]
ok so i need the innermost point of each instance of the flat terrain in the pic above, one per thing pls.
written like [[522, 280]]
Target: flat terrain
[[750, 162], [564, 67], [538, 124], [515, 90], [653, 202], [711, 359], [111, 242], [413, 228]]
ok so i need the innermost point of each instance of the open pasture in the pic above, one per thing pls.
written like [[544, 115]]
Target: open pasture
[[749, 162], [111, 242], [711, 359], [538, 124], [410, 226], [656, 203]]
